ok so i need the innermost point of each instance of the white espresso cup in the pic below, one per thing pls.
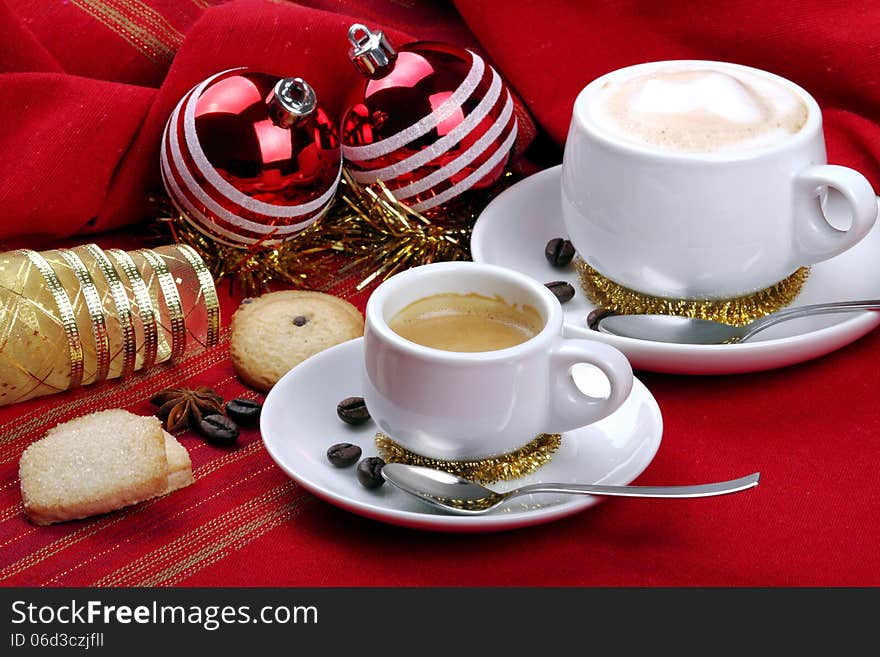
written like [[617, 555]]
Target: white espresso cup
[[703, 217], [469, 405]]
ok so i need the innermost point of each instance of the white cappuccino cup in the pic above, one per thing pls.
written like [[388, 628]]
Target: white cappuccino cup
[[705, 180]]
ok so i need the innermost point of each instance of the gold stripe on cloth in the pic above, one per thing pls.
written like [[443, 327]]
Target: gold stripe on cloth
[[512, 465], [136, 23], [105, 522], [193, 550], [124, 321], [97, 399], [176, 318], [282, 511], [66, 315], [149, 338], [97, 316], [211, 466], [188, 549], [736, 311]]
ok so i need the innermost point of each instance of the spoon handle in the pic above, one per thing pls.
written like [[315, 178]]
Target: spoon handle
[[701, 490], [803, 311]]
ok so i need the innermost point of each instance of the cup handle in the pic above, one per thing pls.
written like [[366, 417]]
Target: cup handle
[[569, 407], [817, 239]]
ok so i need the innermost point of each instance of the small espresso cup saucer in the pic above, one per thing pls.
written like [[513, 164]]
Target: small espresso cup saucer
[[299, 422], [514, 228]]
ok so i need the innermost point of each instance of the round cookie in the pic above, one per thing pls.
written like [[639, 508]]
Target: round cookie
[[274, 332]]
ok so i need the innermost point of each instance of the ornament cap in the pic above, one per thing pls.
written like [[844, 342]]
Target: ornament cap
[[370, 51], [290, 101]]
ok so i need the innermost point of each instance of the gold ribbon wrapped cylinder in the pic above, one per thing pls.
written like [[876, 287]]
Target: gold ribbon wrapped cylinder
[[71, 317]]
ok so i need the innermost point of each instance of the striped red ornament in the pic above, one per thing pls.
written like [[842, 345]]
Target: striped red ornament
[[250, 158], [431, 120]]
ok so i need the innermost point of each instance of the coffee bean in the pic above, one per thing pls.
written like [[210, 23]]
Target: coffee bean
[[596, 316], [244, 412], [562, 290], [353, 410], [343, 455], [369, 472], [559, 252], [218, 429], [300, 320]]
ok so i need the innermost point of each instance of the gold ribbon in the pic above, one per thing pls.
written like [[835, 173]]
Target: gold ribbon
[[172, 302], [123, 307], [96, 313], [83, 291], [208, 292], [65, 313], [145, 305]]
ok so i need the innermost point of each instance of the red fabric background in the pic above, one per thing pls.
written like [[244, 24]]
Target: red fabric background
[[82, 105], [84, 96]]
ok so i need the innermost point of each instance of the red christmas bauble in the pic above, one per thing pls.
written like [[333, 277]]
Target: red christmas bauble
[[430, 121], [249, 157]]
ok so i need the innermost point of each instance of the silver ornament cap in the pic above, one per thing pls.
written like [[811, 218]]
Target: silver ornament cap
[[291, 100], [370, 51]]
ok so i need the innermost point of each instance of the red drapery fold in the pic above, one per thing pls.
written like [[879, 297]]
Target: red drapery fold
[[86, 86]]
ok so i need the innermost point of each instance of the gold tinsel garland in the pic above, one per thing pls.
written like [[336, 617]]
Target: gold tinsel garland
[[367, 234], [513, 465], [737, 311]]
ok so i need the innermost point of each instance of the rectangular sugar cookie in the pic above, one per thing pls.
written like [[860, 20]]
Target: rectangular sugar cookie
[[97, 463]]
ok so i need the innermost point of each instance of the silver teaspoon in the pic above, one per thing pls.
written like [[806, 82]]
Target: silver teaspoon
[[690, 330], [457, 495]]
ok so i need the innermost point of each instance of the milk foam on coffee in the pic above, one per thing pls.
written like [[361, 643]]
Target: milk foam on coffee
[[699, 110]]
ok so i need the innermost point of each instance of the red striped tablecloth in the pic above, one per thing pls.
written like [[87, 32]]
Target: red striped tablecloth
[[813, 430]]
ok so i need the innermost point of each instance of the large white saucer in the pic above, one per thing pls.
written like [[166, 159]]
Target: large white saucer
[[514, 228], [299, 422]]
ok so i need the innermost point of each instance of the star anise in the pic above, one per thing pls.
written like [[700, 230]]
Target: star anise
[[181, 408]]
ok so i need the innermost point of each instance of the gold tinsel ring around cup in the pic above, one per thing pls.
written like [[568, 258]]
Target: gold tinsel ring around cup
[[65, 313], [503, 467], [736, 311]]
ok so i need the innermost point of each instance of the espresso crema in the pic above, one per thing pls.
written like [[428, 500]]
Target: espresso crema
[[699, 110], [466, 322]]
